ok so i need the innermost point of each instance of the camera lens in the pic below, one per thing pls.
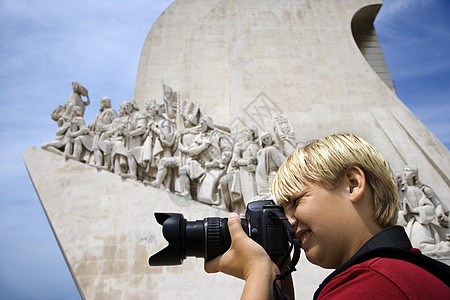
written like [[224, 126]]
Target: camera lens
[[194, 238], [207, 238], [218, 238], [210, 237]]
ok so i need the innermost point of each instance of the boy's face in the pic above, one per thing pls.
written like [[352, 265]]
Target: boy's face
[[319, 217]]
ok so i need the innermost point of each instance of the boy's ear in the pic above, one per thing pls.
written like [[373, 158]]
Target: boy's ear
[[356, 183]]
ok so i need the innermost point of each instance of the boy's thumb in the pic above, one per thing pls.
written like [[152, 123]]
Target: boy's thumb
[[235, 226]]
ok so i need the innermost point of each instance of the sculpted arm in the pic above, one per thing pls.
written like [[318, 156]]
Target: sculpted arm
[[196, 150], [440, 208], [429, 193], [110, 130], [236, 155], [62, 130], [116, 127], [82, 129], [93, 124], [109, 117]]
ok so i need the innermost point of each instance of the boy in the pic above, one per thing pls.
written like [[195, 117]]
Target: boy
[[340, 198]]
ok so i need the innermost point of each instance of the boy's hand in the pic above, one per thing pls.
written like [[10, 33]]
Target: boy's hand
[[245, 258]]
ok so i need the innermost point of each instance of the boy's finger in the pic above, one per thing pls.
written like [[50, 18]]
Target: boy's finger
[[212, 266]]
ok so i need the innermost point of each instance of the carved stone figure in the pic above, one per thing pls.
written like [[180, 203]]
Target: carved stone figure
[[400, 189], [160, 137], [92, 142], [188, 114], [75, 100], [284, 134], [186, 138], [419, 207], [208, 145], [115, 141], [219, 153], [170, 100], [270, 159], [58, 113], [99, 128], [77, 130], [61, 138], [172, 146], [238, 186], [71, 129], [133, 138], [169, 165]]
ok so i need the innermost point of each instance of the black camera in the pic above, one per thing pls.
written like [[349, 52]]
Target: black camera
[[264, 222]]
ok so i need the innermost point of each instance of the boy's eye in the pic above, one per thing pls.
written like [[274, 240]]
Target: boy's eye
[[297, 201]]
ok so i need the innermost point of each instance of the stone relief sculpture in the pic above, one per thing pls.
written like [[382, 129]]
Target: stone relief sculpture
[[169, 171], [75, 100], [209, 156], [399, 182], [173, 146], [72, 129], [270, 159], [422, 213], [61, 136], [284, 134], [80, 139], [99, 128], [238, 186], [161, 137], [133, 133], [115, 140]]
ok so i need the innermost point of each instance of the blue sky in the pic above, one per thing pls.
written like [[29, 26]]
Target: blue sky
[[47, 44]]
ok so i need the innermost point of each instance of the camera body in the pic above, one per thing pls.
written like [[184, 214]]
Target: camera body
[[265, 229], [210, 237]]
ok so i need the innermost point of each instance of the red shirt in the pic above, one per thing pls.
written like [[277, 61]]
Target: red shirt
[[385, 278]]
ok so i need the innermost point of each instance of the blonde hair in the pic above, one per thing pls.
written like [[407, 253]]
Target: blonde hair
[[327, 159]]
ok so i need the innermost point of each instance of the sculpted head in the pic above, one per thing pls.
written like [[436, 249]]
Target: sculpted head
[[134, 105], [190, 120], [80, 89], [75, 87], [122, 109], [148, 104], [129, 107], [411, 174], [206, 123], [105, 102], [155, 109], [76, 111], [266, 139], [251, 132]]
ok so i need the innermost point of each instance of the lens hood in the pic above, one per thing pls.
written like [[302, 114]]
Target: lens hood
[[173, 227]]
